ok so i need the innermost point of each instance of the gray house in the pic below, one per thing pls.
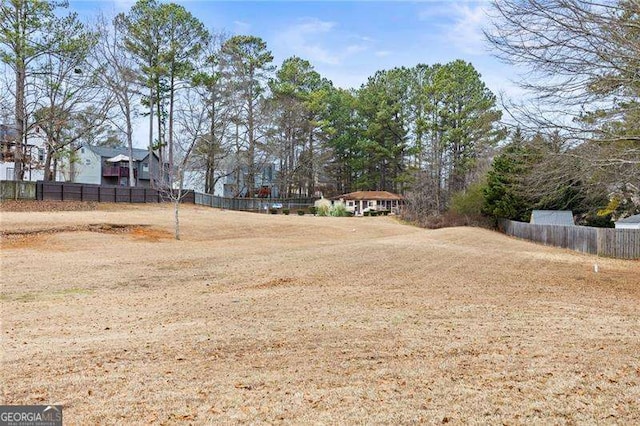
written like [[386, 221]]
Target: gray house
[[631, 222], [110, 166], [552, 217]]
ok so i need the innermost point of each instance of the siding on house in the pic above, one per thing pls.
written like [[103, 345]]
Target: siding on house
[[90, 162], [87, 168]]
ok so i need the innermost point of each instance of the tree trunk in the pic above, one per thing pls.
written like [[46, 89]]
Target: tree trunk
[[54, 172], [311, 186], [132, 180], [251, 173], [176, 212], [170, 139], [47, 164], [20, 139], [151, 106], [160, 137]]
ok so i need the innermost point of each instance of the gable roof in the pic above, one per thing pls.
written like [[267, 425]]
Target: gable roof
[[138, 154], [552, 217], [631, 219], [369, 195]]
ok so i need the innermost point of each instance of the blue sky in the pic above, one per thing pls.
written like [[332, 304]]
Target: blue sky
[[348, 41]]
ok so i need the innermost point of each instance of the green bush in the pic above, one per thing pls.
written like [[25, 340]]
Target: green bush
[[313, 210], [469, 202], [273, 211], [300, 212], [285, 211]]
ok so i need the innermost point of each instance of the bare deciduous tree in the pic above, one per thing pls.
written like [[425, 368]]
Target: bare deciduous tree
[[581, 59]]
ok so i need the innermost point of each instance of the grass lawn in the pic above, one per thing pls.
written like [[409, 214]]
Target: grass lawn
[[302, 319]]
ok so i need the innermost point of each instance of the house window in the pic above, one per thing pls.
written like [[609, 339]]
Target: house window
[[350, 203], [372, 203], [145, 167], [87, 162], [41, 155], [82, 150]]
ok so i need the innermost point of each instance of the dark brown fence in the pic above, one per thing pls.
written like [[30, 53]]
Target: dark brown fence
[[619, 243], [66, 191], [252, 204]]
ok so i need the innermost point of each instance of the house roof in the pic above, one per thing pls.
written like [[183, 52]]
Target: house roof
[[138, 154], [369, 195], [552, 217], [631, 219]]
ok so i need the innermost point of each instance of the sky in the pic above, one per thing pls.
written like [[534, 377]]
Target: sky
[[348, 41]]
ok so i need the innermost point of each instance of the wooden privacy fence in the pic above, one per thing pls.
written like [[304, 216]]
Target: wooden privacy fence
[[251, 204], [66, 191], [618, 243]]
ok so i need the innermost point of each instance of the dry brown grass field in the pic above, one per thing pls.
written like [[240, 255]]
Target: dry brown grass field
[[285, 319]]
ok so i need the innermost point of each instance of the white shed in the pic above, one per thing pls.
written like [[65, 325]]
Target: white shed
[[631, 222], [552, 217]]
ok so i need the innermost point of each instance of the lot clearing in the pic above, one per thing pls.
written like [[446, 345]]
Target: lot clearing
[[262, 318]]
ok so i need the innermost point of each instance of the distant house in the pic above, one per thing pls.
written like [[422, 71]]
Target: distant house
[[552, 217], [631, 222], [110, 166], [235, 182], [362, 201], [34, 154]]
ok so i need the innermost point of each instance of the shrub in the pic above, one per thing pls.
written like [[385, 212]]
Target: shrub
[[273, 211], [339, 210], [313, 210], [323, 210], [323, 207], [300, 212], [449, 219], [469, 202], [285, 211]]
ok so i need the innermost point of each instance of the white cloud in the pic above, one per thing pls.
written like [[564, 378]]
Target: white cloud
[[241, 27], [382, 53], [320, 42], [466, 30]]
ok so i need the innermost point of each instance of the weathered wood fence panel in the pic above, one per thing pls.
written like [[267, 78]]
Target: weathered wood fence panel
[[619, 243], [17, 190]]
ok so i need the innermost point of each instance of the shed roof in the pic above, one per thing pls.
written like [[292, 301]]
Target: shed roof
[[369, 195], [552, 217], [631, 219]]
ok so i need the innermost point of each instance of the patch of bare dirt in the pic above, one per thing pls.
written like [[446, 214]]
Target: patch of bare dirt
[[34, 238]]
